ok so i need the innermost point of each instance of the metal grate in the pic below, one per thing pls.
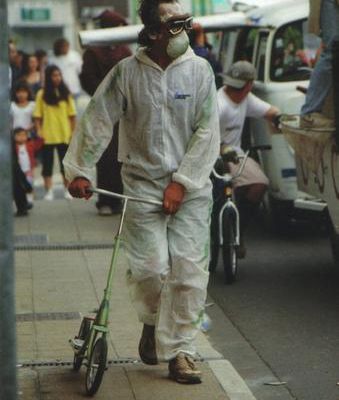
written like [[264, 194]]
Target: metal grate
[[63, 246], [30, 240], [57, 363], [47, 316], [116, 361]]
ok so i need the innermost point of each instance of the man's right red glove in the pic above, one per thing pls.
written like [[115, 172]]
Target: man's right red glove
[[79, 188]]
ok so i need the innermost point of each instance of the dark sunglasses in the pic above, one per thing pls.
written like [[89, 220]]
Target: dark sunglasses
[[176, 27]]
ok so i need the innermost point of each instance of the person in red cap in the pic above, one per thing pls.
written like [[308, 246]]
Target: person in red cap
[[97, 62]]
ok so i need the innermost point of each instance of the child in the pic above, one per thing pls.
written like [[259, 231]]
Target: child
[[22, 107], [20, 186], [26, 151], [54, 116]]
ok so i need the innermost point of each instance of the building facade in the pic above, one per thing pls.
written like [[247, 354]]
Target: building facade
[[36, 24]]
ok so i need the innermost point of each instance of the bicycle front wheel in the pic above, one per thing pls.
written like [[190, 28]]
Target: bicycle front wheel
[[96, 366], [84, 330], [229, 249]]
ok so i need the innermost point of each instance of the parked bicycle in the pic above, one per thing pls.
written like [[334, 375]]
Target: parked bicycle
[[225, 220], [90, 345]]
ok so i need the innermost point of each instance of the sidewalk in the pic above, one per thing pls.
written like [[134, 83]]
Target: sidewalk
[[62, 258]]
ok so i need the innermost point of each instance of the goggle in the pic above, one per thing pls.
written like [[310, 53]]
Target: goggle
[[176, 27]]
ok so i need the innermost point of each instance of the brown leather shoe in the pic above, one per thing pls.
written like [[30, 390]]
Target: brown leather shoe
[[183, 370], [147, 349]]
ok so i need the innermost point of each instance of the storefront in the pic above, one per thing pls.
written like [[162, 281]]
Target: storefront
[[36, 24]]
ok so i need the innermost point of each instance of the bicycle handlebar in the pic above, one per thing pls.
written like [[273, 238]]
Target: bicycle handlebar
[[262, 147], [124, 197], [226, 177]]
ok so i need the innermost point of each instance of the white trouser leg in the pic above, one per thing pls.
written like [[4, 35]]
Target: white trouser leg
[[184, 293], [145, 242], [168, 264], [147, 255]]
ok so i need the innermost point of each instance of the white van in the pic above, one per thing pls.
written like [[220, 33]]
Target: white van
[[277, 42], [272, 34]]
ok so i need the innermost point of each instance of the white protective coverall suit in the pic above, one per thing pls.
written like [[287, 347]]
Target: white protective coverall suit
[[169, 131]]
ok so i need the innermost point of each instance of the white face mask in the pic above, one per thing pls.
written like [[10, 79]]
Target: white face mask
[[178, 45]]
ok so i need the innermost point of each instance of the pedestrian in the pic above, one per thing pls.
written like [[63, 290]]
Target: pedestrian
[[69, 61], [42, 57], [235, 104], [203, 48], [20, 186], [54, 117], [165, 99], [32, 75], [26, 150], [15, 62], [22, 107], [97, 62], [323, 20]]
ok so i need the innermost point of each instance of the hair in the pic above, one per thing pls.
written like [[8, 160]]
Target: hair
[[149, 14], [18, 130], [51, 96], [25, 67], [58, 45], [40, 53], [22, 85]]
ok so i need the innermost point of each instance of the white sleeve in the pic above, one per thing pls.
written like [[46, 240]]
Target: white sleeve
[[203, 147], [256, 107], [95, 129]]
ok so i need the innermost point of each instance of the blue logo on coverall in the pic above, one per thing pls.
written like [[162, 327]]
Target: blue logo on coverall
[[181, 96]]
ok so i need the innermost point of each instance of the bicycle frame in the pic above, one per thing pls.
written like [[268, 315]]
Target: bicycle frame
[[100, 324], [230, 204]]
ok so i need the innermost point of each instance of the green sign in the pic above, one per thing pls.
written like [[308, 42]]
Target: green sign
[[35, 14]]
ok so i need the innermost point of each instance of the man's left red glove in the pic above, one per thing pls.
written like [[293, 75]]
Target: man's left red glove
[[173, 196], [79, 188]]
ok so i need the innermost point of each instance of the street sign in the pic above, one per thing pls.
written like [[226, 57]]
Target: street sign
[[35, 14]]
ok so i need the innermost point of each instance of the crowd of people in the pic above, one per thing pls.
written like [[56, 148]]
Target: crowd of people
[[45, 91], [42, 114]]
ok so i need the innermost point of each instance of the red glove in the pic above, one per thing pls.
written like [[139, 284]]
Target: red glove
[[79, 188], [173, 197]]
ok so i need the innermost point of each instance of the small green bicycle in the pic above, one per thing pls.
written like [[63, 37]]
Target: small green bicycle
[[90, 345]]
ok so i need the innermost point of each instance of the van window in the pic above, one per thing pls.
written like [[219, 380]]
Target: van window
[[245, 44], [293, 53], [261, 56]]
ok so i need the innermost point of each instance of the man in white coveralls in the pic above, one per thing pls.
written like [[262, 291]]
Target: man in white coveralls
[[165, 100]]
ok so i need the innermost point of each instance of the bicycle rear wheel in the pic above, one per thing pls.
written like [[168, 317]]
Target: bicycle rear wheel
[[214, 243], [96, 366], [229, 249]]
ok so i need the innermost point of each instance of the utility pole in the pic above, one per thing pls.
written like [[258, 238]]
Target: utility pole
[[8, 386], [335, 74]]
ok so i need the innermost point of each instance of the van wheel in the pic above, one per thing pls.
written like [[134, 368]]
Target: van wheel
[[334, 239], [279, 215]]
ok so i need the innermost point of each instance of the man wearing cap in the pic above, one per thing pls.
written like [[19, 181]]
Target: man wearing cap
[[165, 99], [235, 103], [98, 61]]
